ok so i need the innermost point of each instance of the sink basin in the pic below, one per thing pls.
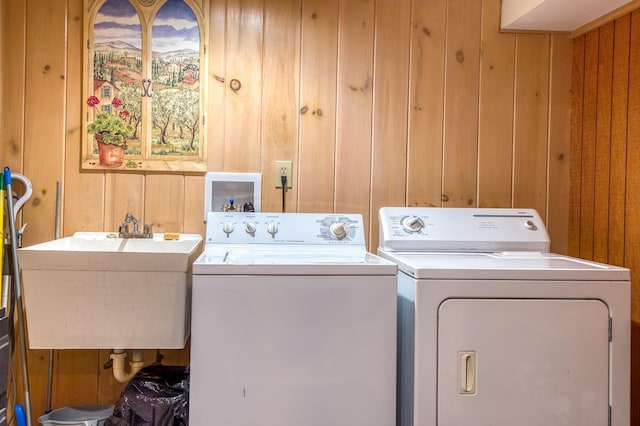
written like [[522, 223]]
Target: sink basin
[[94, 290]]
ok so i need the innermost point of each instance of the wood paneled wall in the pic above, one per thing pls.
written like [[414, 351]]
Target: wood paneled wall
[[605, 153], [376, 102]]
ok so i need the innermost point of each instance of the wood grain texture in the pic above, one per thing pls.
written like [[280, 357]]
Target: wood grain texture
[[215, 111], [354, 108], [632, 197], [461, 103], [12, 103], [44, 132], [318, 75], [83, 192], [390, 97], [243, 60], [619, 103], [531, 122], [587, 185], [124, 193], [603, 144], [280, 99], [193, 205], [559, 143], [164, 203], [426, 103], [495, 131], [575, 164]]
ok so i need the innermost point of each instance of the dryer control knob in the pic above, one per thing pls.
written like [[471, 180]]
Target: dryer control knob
[[412, 223], [227, 228], [250, 227], [529, 224], [338, 230], [272, 228]]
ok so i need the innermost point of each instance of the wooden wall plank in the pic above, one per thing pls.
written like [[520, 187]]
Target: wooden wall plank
[[426, 103], [83, 207], [193, 205], [164, 203], [354, 108], [531, 121], [587, 188], [559, 143], [12, 103], [390, 100], [575, 163], [75, 381], [243, 59], [44, 132], [620, 95], [632, 197], [318, 75], [124, 193], [495, 134], [603, 144], [215, 111], [281, 98], [461, 103]]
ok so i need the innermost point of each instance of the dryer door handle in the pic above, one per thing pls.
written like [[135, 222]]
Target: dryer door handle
[[467, 372]]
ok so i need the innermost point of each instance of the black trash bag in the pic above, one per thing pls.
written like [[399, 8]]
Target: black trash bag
[[157, 396]]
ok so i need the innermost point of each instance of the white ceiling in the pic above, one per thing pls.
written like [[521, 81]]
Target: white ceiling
[[554, 15]]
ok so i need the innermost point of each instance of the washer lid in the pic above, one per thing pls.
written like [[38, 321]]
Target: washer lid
[[503, 266]]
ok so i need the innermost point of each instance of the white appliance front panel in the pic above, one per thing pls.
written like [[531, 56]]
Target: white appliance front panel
[[418, 305], [524, 362], [293, 350]]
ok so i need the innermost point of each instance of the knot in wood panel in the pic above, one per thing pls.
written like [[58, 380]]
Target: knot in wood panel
[[460, 56], [235, 84]]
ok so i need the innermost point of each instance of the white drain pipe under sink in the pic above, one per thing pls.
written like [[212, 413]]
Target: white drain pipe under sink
[[118, 357]]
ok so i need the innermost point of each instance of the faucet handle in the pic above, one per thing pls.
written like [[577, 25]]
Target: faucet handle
[[147, 230]]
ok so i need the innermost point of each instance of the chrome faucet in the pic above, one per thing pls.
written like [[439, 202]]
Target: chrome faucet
[[123, 232]]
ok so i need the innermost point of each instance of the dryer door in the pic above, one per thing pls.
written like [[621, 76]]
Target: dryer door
[[523, 362]]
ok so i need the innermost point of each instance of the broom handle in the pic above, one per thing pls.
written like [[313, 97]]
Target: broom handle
[[18, 293]]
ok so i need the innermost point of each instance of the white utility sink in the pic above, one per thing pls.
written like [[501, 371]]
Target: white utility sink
[[94, 290]]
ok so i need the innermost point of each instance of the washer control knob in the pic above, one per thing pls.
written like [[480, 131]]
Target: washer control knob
[[412, 224], [338, 230], [250, 227], [227, 228], [529, 224], [272, 228]]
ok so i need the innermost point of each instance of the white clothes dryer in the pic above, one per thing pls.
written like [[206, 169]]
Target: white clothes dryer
[[293, 323], [494, 330]]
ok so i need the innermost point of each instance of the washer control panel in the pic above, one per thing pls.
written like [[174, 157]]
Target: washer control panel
[[461, 229], [284, 228]]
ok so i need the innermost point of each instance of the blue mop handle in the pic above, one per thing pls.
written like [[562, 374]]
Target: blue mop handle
[[21, 417], [7, 176]]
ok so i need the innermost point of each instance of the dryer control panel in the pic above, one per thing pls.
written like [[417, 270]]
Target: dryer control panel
[[462, 229], [284, 228]]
